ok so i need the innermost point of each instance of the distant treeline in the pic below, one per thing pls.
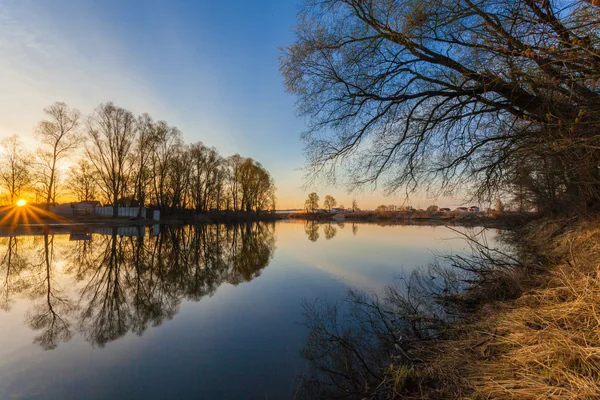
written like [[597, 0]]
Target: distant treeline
[[131, 161]]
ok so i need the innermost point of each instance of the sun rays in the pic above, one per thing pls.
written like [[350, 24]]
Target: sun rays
[[23, 214]]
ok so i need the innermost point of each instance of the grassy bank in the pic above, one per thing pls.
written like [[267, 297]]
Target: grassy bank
[[539, 340]]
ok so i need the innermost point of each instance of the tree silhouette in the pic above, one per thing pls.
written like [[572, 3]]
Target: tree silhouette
[[59, 136], [312, 203], [111, 130], [15, 167], [452, 96], [329, 202]]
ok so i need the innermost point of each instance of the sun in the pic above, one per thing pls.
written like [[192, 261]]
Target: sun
[[21, 202]]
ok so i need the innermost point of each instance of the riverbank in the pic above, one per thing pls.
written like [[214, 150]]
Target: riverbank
[[222, 217], [34, 217], [530, 332], [518, 320], [476, 218]]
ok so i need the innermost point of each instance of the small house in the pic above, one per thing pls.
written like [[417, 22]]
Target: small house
[[444, 210], [473, 209], [84, 207]]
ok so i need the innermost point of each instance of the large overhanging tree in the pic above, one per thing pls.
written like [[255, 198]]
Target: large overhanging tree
[[484, 94]]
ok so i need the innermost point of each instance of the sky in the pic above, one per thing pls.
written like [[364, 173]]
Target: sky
[[208, 67]]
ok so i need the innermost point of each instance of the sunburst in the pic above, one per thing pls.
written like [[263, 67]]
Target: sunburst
[[23, 214]]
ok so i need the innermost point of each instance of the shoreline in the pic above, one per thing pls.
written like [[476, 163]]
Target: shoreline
[[501, 220], [95, 220], [526, 332], [64, 222], [519, 323]]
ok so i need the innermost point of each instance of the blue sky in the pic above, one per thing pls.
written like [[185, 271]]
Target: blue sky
[[208, 67]]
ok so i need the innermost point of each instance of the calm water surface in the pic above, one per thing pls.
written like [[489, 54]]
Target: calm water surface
[[211, 312]]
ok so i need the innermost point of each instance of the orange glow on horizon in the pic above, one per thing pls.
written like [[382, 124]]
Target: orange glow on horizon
[[18, 215]]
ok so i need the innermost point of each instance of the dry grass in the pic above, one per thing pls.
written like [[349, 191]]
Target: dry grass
[[543, 345], [550, 346]]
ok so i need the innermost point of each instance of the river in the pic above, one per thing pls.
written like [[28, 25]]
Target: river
[[211, 312]]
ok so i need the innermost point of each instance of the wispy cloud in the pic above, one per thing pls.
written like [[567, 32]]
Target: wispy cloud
[[43, 62]]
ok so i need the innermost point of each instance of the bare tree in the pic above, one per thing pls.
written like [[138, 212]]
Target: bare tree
[[312, 203], [179, 175], [167, 143], [329, 202], [256, 185], [249, 186], [15, 167], [451, 94], [58, 136], [207, 172], [112, 133], [142, 153], [82, 181], [233, 170]]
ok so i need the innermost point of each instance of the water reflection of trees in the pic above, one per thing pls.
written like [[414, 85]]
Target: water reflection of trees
[[355, 342], [330, 231], [12, 267], [311, 228], [119, 284], [53, 307]]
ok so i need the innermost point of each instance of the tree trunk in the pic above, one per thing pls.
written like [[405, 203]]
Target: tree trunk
[[50, 185], [115, 204]]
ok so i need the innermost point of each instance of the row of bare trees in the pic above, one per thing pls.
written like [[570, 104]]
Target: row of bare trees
[[131, 161], [498, 98], [312, 203]]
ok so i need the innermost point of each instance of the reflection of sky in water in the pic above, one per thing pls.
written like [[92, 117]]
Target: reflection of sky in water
[[242, 341]]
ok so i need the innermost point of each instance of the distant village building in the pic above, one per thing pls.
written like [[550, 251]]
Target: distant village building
[[444, 210], [84, 207], [62, 209], [474, 209]]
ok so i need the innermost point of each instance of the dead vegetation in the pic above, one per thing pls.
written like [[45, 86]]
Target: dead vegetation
[[490, 326], [545, 344]]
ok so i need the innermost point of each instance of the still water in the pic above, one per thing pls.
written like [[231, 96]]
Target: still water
[[209, 312]]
